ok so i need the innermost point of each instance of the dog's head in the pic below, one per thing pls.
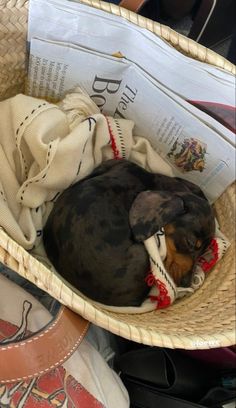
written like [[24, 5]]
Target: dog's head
[[188, 222]]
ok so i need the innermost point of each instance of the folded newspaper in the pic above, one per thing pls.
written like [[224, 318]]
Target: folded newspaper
[[183, 107]]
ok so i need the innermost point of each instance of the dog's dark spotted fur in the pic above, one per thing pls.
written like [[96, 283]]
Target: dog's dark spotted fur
[[94, 233]]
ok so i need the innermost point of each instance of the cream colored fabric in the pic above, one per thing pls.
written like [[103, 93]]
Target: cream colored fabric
[[44, 148]]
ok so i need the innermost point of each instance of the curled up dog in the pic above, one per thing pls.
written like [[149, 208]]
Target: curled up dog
[[94, 235]]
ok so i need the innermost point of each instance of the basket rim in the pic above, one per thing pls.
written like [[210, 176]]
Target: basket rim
[[19, 260]]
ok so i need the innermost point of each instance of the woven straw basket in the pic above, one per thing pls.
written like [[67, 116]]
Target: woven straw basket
[[204, 320]]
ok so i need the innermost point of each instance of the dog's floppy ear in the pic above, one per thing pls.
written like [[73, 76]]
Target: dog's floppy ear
[[192, 187], [152, 210]]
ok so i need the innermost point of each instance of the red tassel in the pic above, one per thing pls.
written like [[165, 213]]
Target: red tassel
[[163, 299]]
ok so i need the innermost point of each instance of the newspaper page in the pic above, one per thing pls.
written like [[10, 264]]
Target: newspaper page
[[122, 89], [208, 88], [56, 68]]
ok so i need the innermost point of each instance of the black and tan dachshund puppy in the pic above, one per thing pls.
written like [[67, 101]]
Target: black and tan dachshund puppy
[[95, 232]]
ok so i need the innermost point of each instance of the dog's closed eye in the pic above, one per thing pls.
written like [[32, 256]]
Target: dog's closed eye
[[193, 243], [190, 242]]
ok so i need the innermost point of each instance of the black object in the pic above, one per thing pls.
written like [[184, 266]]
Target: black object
[[157, 377], [169, 371], [146, 396], [232, 48], [214, 22]]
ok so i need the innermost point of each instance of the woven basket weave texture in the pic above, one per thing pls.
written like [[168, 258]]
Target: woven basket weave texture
[[204, 320]]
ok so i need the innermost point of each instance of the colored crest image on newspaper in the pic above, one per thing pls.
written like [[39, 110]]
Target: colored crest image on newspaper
[[188, 155]]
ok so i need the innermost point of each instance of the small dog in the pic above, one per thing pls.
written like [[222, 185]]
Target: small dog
[[95, 232]]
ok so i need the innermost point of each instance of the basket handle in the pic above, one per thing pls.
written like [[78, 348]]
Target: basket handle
[[46, 349]]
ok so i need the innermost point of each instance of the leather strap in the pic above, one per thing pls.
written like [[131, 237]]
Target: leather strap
[[46, 349], [132, 5]]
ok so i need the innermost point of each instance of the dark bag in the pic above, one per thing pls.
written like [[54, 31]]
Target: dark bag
[[170, 379]]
